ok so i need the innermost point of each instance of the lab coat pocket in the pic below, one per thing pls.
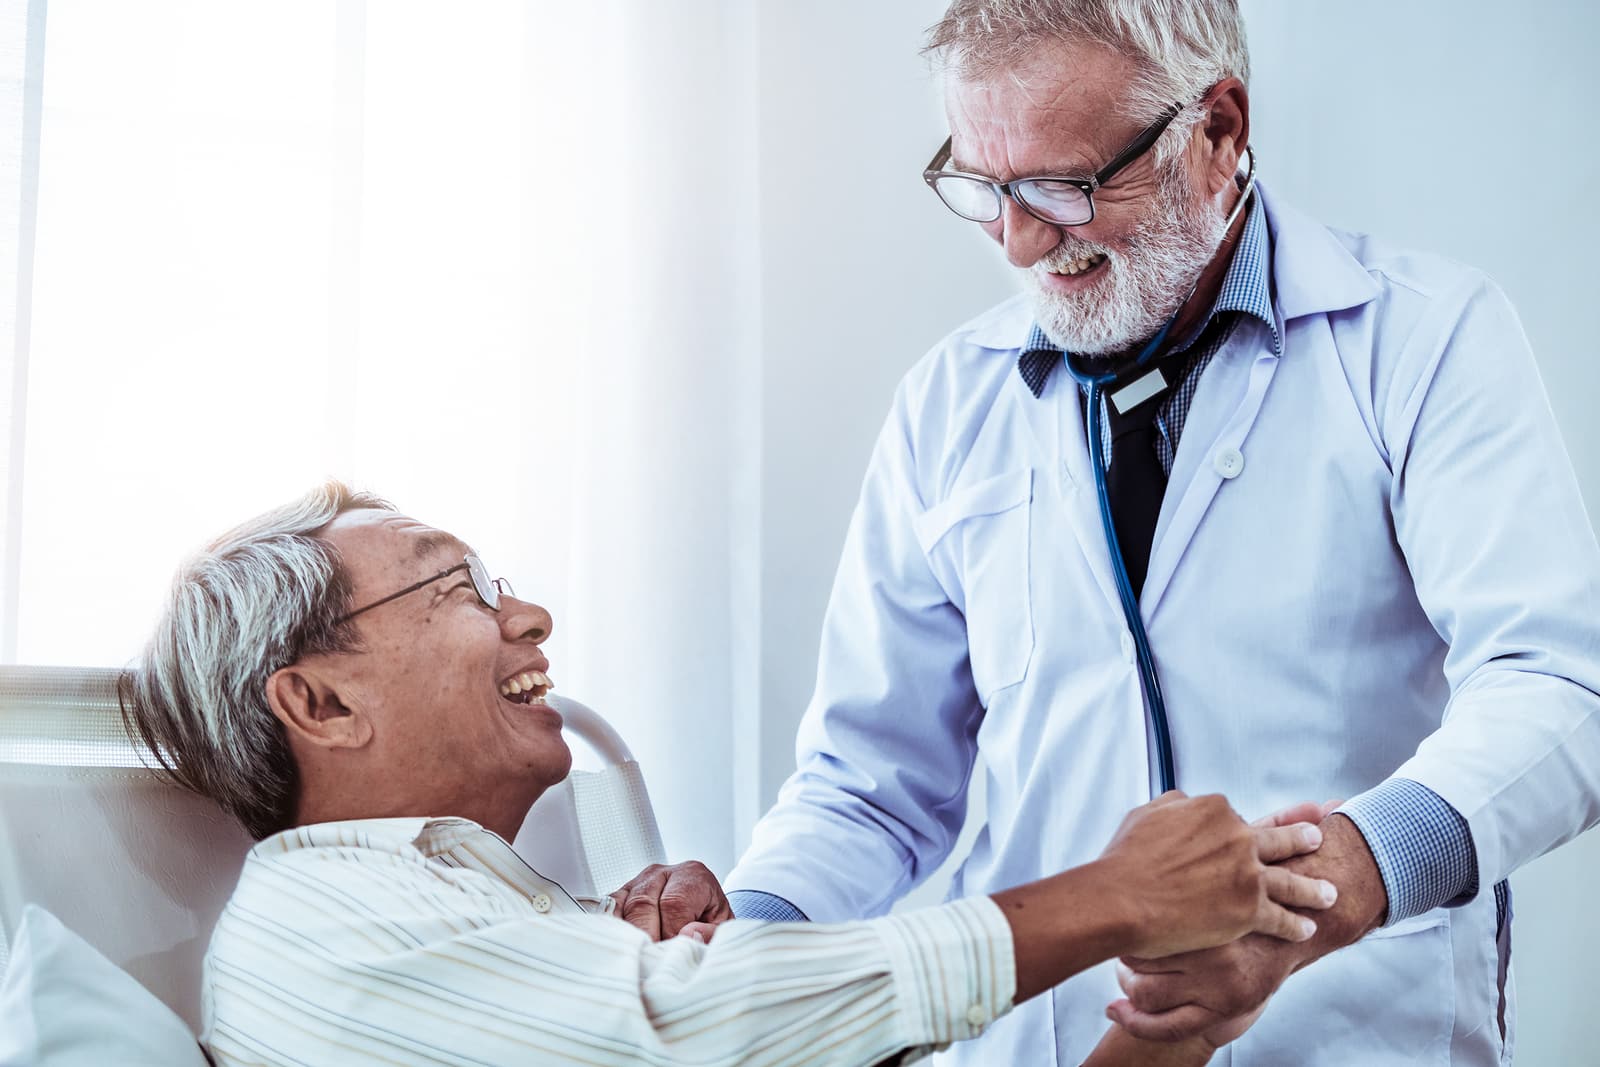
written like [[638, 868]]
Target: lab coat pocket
[[976, 541], [1386, 1001]]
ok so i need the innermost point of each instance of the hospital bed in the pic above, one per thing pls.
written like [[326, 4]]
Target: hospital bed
[[140, 869]]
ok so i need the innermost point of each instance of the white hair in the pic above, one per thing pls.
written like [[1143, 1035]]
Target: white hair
[[1181, 47], [257, 599]]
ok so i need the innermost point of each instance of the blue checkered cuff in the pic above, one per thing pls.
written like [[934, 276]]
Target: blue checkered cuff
[[1422, 845], [751, 904]]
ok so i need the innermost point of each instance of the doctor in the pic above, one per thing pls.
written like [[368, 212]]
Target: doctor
[[1334, 548]]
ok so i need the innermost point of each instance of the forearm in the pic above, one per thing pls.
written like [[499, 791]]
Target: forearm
[[1063, 925]]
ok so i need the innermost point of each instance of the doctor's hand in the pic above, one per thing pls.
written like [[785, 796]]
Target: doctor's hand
[[1187, 994], [1196, 875], [1118, 1048], [666, 900]]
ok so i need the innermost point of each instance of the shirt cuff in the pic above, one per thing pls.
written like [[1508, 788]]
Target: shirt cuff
[[954, 967], [752, 904], [1423, 847]]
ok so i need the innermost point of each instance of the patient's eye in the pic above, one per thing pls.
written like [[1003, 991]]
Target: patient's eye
[[448, 590]]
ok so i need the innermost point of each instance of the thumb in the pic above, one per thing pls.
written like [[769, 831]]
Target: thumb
[[697, 931]]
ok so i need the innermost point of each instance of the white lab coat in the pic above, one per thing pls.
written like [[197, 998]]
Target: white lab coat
[[1398, 579]]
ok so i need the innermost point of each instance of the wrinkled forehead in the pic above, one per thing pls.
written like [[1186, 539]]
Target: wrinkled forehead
[[1061, 110], [384, 549]]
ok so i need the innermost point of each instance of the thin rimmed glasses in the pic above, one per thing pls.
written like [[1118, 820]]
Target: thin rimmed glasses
[[489, 590], [1053, 199]]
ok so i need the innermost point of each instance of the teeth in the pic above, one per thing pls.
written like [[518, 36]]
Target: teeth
[[536, 682], [1078, 266]]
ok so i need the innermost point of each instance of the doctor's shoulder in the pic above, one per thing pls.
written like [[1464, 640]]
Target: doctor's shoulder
[[1424, 305]]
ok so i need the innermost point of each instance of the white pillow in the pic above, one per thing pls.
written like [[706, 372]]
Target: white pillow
[[62, 1004]]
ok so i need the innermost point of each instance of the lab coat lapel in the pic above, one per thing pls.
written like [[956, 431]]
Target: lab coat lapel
[[1313, 273], [1053, 419]]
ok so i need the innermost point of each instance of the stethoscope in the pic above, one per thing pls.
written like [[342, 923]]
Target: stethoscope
[[1098, 383]]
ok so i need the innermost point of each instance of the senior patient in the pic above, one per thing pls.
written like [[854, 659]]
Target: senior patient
[[353, 686]]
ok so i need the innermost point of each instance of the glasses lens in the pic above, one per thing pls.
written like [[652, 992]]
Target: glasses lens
[[976, 201], [1060, 202], [488, 591]]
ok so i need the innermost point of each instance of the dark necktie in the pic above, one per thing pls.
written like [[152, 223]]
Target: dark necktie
[[1136, 483]]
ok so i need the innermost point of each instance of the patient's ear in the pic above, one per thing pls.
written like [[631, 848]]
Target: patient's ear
[[307, 702]]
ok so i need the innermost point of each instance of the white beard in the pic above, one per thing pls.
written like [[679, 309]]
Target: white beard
[[1144, 281]]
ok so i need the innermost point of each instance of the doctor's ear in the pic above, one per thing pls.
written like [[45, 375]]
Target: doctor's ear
[[1225, 130], [305, 699]]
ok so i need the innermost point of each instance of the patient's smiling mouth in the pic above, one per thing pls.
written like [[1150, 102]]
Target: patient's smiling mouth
[[528, 687]]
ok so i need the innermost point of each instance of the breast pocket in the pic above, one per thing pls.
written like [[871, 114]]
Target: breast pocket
[[977, 542], [1386, 1001]]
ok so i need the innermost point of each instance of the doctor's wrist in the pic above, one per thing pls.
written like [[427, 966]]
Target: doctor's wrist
[[1345, 860]]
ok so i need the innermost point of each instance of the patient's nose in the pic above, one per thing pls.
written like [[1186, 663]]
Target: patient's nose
[[520, 619]]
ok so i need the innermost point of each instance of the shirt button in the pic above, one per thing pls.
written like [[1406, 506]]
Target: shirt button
[[977, 1018], [1228, 462], [541, 903], [1127, 646]]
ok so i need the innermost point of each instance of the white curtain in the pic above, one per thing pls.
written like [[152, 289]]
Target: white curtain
[[494, 260]]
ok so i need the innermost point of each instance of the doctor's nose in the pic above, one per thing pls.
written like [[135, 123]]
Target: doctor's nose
[[1024, 237]]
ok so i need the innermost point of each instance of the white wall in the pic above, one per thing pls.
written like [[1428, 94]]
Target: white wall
[[1454, 125]]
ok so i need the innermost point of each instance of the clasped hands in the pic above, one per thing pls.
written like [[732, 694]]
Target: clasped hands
[[680, 899], [1213, 995]]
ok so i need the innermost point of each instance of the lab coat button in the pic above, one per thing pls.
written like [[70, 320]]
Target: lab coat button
[[1127, 646], [977, 1017], [1228, 462], [541, 903]]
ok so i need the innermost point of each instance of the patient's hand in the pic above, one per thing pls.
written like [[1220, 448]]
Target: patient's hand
[[664, 900]]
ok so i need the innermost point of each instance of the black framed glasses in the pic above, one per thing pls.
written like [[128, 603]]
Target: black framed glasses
[[489, 590], [1049, 198]]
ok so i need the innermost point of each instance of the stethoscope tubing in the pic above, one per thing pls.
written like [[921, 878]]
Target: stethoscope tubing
[[1149, 680]]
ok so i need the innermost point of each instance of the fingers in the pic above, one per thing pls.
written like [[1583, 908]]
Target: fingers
[[1330, 806], [1276, 921], [664, 900], [1174, 1025], [1274, 843], [1171, 796], [1153, 993], [692, 894], [1298, 891], [1309, 811], [701, 932], [638, 902]]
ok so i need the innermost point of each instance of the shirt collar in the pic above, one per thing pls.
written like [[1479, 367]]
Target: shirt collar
[[1246, 288], [430, 836]]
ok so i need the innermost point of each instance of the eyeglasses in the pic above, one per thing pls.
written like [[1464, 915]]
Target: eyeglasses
[[1048, 198], [489, 590]]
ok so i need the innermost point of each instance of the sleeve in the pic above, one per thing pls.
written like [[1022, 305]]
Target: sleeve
[[1488, 513], [1422, 846], [751, 904], [886, 748], [389, 971]]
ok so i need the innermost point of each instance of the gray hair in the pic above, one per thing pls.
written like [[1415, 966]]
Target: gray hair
[[1181, 47], [255, 600]]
